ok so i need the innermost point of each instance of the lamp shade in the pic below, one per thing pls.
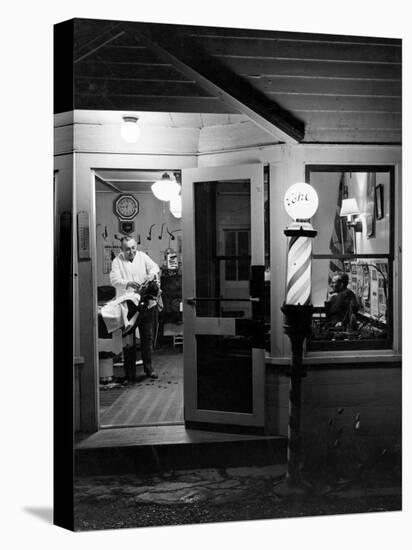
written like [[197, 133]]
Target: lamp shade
[[175, 206], [349, 207], [130, 130], [166, 188]]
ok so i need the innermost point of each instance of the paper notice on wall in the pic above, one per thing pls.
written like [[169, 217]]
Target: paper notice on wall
[[109, 254], [374, 293]]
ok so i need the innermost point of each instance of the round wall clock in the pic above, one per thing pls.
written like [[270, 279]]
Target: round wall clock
[[126, 207]]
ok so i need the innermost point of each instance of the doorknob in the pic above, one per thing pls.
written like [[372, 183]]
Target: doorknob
[[191, 301], [254, 299]]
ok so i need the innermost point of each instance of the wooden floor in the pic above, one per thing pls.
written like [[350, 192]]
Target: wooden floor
[[160, 435], [149, 402]]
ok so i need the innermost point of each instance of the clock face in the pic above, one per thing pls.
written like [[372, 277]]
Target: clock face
[[126, 207]]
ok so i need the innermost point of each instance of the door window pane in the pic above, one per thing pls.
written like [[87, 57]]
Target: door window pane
[[222, 237], [224, 373]]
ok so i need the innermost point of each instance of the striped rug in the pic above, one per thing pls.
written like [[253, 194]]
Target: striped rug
[[150, 402]]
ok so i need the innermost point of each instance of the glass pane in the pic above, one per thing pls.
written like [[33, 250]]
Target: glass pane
[[367, 195], [230, 243], [222, 213], [243, 238], [352, 303], [224, 373], [243, 269], [230, 270]]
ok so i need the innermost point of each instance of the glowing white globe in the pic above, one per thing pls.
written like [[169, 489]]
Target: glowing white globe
[[166, 188], [175, 206], [301, 201], [130, 130]]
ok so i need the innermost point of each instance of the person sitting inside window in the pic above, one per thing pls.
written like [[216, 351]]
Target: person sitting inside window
[[343, 305]]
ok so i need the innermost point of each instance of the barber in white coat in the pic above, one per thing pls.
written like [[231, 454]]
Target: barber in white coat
[[130, 270]]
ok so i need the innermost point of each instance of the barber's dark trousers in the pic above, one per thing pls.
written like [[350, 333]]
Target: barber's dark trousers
[[146, 330], [129, 355]]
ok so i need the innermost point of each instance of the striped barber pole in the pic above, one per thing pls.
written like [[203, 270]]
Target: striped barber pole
[[299, 271]]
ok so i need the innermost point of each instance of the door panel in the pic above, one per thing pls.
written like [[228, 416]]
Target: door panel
[[223, 245]]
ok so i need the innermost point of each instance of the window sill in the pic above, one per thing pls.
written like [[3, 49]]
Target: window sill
[[340, 357]]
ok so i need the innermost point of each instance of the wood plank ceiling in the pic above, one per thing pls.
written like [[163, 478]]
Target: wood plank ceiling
[[325, 88]]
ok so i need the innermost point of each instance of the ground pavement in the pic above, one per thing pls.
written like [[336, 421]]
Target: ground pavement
[[211, 495]]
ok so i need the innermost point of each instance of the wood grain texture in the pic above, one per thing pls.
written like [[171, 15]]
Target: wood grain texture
[[320, 68], [295, 77], [295, 49]]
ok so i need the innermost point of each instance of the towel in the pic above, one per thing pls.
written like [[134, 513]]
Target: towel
[[118, 314]]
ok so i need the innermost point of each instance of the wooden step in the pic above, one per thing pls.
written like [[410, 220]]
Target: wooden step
[[161, 448]]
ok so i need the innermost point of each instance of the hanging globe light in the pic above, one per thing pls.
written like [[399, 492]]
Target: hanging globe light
[[175, 206], [166, 188]]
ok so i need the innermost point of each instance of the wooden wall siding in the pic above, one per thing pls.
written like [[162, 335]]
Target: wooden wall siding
[[344, 89], [373, 393]]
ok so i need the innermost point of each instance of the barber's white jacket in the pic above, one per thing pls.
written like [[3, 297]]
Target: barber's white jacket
[[137, 271]]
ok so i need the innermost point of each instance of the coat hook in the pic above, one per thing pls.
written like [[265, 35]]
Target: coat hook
[[138, 239], [170, 234], [161, 233], [149, 238]]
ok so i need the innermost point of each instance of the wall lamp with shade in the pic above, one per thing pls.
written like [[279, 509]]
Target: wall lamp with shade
[[166, 189], [130, 130], [350, 211]]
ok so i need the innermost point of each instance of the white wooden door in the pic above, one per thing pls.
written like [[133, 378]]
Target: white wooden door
[[224, 368]]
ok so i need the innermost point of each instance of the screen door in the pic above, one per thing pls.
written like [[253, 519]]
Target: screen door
[[223, 293]]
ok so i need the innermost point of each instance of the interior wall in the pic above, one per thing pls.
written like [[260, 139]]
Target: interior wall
[[151, 211], [327, 187]]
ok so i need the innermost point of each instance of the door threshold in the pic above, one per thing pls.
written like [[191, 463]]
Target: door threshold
[[121, 426]]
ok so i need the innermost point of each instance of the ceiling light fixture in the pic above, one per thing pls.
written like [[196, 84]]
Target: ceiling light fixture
[[166, 188], [130, 129]]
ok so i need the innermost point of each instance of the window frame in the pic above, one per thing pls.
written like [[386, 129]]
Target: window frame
[[389, 256]]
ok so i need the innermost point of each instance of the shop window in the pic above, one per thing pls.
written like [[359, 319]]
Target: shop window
[[352, 282]]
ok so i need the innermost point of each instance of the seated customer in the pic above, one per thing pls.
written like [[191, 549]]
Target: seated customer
[[343, 305]]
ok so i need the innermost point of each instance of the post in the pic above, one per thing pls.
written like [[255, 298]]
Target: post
[[297, 326], [301, 202]]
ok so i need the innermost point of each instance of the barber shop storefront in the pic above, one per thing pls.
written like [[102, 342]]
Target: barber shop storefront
[[196, 182]]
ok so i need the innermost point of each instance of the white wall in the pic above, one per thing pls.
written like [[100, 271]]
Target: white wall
[[151, 210]]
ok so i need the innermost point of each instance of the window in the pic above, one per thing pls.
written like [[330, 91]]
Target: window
[[352, 257], [237, 253]]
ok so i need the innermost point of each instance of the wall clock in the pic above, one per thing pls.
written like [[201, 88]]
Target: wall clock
[[126, 207]]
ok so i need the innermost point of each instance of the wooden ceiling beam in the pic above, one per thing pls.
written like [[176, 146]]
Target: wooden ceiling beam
[[234, 91], [98, 42]]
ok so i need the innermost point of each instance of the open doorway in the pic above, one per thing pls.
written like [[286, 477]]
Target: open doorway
[[156, 228]]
